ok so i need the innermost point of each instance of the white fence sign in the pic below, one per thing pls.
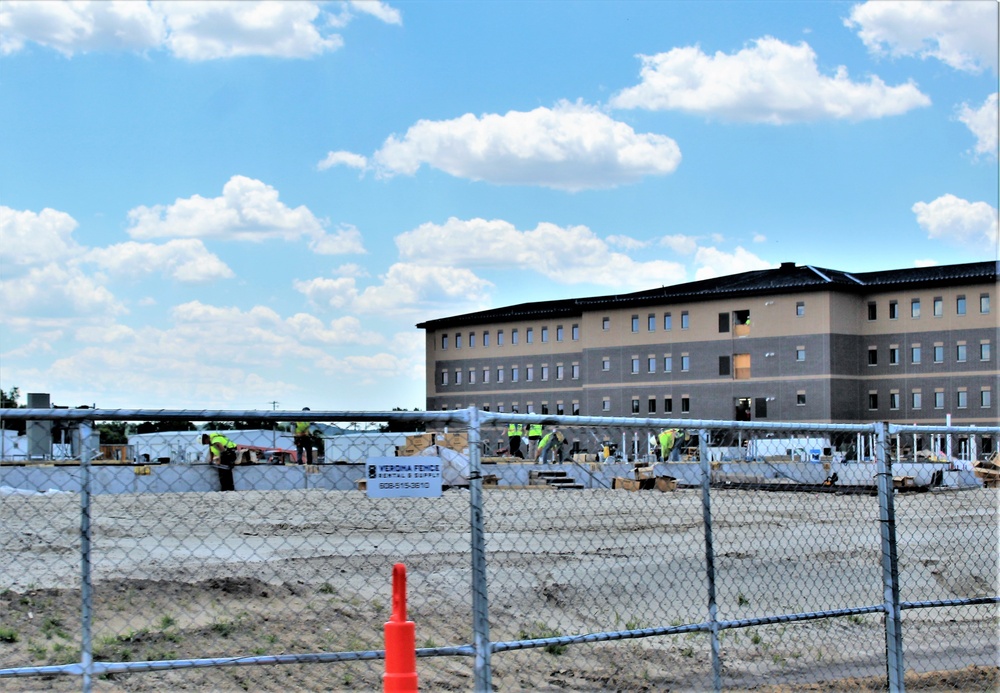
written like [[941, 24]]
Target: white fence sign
[[404, 477]]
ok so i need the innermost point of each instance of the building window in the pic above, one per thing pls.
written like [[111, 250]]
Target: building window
[[651, 405], [893, 400], [635, 365], [960, 305], [894, 310], [915, 353], [685, 404], [560, 409], [472, 376], [529, 373], [872, 310], [939, 399], [559, 333], [685, 363], [500, 409], [458, 341], [938, 307], [513, 374], [938, 353], [984, 303], [873, 400], [529, 335], [668, 321], [444, 377], [668, 405], [800, 399], [872, 356], [724, 365], [960, 353], [635, 405], [985, 398], [685, 320], [560, 371], [800, 353], [545, 373], [500, 374], [605, 323], [531, 408], [651, 322], [444, 342], [635, 323], [605, 404], [668, 364], [458, 377], [499, 337], [486, 375], [723, 322], [651, 364], [575, 370], [962, 399], [545, 335], [513, 336], [984, 351], [800, 308], [486, 339], [894, 355], [605, 364], [574, 332], [915, 308], [916, 400], [472, 340], [545, 408]]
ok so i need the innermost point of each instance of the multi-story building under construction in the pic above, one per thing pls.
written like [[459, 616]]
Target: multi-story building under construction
[[795, 343]]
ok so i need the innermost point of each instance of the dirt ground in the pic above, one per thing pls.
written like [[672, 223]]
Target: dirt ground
[[191, 576]]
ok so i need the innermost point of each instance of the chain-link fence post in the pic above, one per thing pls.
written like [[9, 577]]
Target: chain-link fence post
[[890, 566], [706, 500], [87, 454], [480, 603]]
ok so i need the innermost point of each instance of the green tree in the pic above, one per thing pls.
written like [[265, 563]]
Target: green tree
[[114, 432], [401, 426], [8, 400]]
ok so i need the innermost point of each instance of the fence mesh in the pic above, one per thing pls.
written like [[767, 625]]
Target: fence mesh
[[608, 569]]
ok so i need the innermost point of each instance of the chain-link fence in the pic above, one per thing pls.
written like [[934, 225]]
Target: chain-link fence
[[644, 555]]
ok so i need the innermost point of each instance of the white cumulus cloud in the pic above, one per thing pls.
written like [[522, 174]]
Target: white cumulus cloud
[[571, 255], [569, 147], [247, 210], [341, 158], [769, 81], [950, 218], [189, 29], [960, 34], [184, 260], [983, 122], [30, 238], [716, 263]]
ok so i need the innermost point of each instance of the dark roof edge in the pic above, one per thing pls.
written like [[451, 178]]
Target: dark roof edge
[[787, 278]]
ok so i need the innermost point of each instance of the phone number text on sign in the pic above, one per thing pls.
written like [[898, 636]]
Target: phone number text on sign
[[404, 477]]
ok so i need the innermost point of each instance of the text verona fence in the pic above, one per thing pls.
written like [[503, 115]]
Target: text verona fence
[[615, 554]]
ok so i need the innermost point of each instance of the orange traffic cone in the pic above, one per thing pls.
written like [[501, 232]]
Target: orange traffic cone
[[400, 641]]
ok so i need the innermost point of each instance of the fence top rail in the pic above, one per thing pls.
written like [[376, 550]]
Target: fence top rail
[[464, 416], [895, 429], [442, 417]]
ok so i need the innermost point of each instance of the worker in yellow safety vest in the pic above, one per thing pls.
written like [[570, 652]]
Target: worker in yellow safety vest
[[514, 432], [669, 448], [303, 441], [224, 450], [550, 443]]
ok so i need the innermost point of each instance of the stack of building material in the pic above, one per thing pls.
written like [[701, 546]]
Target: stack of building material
[[417, 443], [988, 471]]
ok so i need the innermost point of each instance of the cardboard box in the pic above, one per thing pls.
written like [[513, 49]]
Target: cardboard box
[[665, 483], [623, 484], [902, 481], [644, 472], [585, 457], [362, 484]]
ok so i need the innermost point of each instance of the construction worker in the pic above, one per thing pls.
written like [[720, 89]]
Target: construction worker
[[534, 437], [669, 448], [549, 443], [303, 441], [221, 453], [514, 432]]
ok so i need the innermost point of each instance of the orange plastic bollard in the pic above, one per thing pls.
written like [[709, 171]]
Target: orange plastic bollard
[[400, 641]]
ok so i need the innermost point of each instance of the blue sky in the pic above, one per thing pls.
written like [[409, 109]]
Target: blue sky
[[232, 205]]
